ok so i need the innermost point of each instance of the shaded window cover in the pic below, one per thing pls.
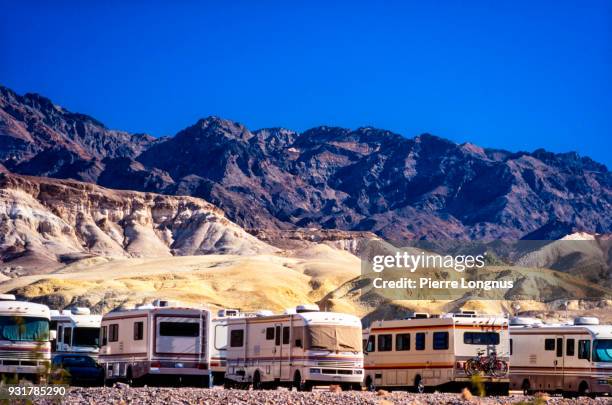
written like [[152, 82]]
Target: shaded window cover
[[332, 337], [24, 328]]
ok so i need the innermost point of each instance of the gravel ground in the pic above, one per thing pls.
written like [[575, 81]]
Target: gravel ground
[[154, 395]]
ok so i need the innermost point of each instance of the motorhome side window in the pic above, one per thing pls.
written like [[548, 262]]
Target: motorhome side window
[[440, 340], [285, 335], [402, 341], [371, 344], [138, 330], [511, 344], [67, 335], [584, 349], [559, 347], [277, 338], [104, 335], [385, 343], [481, 338], [549, 344], [269, 333], [113, 332], [237, 338], [569, 347], [419, 341]]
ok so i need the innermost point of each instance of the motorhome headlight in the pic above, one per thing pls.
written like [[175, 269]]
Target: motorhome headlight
[[315, 371]]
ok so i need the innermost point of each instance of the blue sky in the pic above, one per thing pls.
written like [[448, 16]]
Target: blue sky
[[517, 75]]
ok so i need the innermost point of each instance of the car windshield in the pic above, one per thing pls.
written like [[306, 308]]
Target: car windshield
[[78, 361], [602, 350], [24, 328], [333, 337], [86, 337]]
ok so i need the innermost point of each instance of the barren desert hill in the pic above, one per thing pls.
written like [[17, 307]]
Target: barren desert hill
[[318, 274], [48, 223], [364, 179]]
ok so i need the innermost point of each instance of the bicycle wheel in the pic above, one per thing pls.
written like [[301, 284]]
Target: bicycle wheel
[[471, 367]]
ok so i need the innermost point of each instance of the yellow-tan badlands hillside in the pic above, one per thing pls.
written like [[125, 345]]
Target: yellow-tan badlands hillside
[[64, 242]]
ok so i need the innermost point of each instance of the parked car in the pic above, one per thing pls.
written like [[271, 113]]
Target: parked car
[[76, 369]]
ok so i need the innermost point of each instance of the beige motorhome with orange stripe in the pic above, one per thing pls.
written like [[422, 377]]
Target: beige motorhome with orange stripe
[[426, 351], [163, 341], [573, 358], [302, 348]]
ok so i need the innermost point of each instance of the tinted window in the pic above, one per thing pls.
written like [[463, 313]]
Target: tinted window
[[86, 337], [67, 335], [419, 341], [184, 329], [269, 333], [570, 347], [138, 330], [285, 335], [104, 335], [237, 338], [385, 343], [113, 332], [549, 344], [511, 344], [277, 338], [584, 349], [402, 341], [481, 338], [371, 344], [559, 347], [440, 340]]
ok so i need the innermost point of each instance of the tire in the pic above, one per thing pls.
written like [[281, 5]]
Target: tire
[[583, 389], [526, 387], [471, 367], [257, 384], [419, 387], [370, 384]]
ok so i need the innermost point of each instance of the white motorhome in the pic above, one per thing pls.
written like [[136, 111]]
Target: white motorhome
[[302, 348], [217, 344], [162, 341], [426, 351], [25, 351], [571, 359], [76, 330]]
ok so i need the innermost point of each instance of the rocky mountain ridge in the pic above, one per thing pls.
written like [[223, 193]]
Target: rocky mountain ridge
[[366, 179]]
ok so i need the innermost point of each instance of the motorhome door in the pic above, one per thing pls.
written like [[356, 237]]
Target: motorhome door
[[558, 363], [281, 351]]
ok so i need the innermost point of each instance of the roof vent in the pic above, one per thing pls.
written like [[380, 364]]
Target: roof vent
[[419, 315], [161, 303], [7, 297], [586, 320], [524, 321], [80, 311], [300, 309], [264, 312], [228, 313]]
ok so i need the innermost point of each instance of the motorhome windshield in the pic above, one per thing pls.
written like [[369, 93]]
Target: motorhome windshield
[[86, 337], [602, 350], [333, 337], [24, 328]]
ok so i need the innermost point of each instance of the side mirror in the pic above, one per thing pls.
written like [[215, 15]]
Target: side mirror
[[298, 343]]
